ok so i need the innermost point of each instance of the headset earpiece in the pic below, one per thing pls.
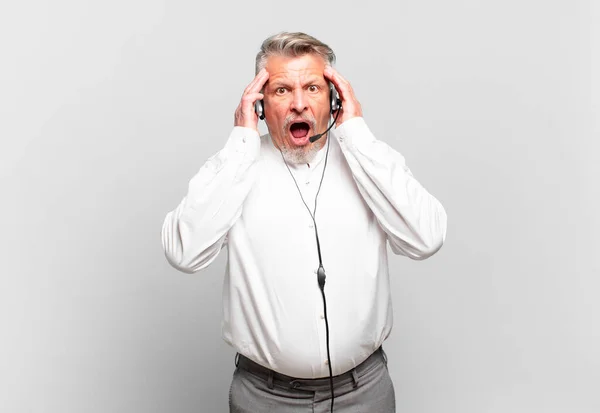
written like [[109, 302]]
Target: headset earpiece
[[259, 108], [335, 103]]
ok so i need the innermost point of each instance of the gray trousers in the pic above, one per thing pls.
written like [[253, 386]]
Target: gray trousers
[[367, 388]]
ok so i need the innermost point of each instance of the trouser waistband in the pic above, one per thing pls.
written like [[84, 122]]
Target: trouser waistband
[[274, 378]]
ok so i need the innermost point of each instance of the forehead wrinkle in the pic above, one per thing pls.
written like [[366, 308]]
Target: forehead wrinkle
[[296, 74], [294, 71]]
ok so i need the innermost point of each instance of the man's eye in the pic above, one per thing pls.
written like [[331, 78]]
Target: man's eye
[[280, 90], [313, 88]]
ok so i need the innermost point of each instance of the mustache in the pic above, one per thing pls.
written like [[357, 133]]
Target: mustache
[[303, 118]]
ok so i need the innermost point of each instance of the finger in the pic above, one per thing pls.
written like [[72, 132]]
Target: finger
[[258, 82], [332, 73], [341, 84], [249, 99], [245, 110], [328, 73], [253, 83], [262, 80], [336, 77], [245, 114]]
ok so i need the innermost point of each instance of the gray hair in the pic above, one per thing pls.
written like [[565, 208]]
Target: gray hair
[[292, 45]]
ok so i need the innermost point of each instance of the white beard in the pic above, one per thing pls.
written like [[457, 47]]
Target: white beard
[[301, 154]]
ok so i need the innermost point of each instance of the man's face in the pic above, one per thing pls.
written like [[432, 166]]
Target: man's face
[[296, 99]]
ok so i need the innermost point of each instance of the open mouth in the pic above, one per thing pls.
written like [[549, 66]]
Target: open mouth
[[299, 131]]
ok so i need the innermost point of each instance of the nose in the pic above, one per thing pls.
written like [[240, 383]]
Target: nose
[[299, 101]]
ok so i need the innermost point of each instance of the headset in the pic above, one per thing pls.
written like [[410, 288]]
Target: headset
[[335, 106]]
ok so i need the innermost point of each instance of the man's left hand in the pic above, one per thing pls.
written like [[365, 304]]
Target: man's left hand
[[350, 105]]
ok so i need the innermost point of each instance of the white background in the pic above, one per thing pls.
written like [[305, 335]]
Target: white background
[[109, 108]]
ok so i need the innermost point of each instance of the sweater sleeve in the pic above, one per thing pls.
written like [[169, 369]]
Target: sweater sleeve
[[194, 232], [414, 220]]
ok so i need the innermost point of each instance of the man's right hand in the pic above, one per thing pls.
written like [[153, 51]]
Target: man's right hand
[[244, 114]]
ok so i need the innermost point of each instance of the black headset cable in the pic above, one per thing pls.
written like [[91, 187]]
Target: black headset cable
[[321, 271]]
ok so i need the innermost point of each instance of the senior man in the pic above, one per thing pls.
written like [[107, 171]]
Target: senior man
[[306, 217]]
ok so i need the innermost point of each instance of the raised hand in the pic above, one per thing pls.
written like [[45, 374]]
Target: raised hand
[[245, 114], [350, 105]]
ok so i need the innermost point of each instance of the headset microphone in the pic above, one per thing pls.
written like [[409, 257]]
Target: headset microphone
[[317, 137], [335, 106]]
